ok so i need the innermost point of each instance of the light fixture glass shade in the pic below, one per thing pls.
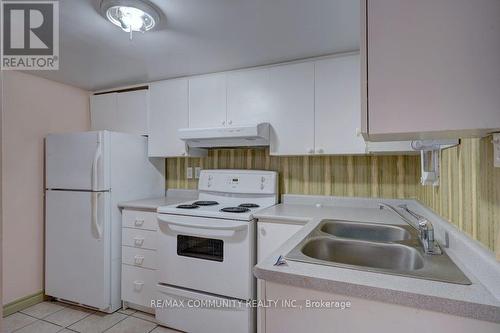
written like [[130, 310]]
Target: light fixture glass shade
[[130, 18], [131, 15]]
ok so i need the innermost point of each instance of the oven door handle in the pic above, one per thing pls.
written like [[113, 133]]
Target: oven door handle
[[219, 228]]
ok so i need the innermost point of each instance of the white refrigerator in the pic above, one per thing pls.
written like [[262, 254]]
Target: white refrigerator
[[86, 175]]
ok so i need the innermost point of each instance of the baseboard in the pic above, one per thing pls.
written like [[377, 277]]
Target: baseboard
[[23, 303]]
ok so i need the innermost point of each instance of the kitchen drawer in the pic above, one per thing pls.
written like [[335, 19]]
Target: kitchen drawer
[[225, 315], [139, 219], [138, 238], [138, 285], [139, 257]]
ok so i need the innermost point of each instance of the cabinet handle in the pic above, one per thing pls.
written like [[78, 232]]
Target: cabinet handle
[[230, 122], [223, 122], [183, 153], [138, 241], [138, 285], [138, 260], [139, 222]]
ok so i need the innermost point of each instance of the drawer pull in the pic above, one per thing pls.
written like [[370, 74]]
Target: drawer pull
[[138, 260], [138, 285], [138, 241], [139, 222]]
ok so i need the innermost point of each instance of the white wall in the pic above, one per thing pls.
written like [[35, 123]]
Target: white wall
[[32, 108]]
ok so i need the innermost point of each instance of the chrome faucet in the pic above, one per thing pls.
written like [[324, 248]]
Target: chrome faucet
[[424, 228]]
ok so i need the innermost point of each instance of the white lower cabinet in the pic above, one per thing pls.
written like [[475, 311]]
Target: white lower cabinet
[[362, 316], [139, 259], [138, 285], [212, 313], [270, 236]]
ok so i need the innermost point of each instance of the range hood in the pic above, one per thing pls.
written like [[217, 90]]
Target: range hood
[[238, 136]]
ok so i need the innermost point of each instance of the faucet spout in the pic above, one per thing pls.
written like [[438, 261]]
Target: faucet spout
[[424, 228]]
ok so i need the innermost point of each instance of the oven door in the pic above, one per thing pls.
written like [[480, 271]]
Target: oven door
[[211, 255]]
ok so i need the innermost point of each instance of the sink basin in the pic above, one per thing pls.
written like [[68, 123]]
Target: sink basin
[[382, 248], [365, 231], [367, 254]]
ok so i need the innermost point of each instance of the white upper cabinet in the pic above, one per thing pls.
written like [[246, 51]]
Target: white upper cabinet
[[103, 112], [121, 112], [338, 106], [248, 97], [432, 68], [207, 101], [168, 111], [132, 112], [291, 105]]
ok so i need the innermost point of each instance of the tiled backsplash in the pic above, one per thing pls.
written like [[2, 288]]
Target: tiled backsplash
[[468, 196]]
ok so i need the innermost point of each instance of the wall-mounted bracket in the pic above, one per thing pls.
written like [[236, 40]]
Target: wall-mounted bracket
[[430, 158], [496, 150]]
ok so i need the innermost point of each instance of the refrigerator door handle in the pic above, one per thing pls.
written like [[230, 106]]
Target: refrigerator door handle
[[95, 163], [95, 215]]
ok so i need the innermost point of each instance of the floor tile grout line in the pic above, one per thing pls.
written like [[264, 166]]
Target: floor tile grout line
[[37, 319], [107, 329], [17, 329], [88, 314], [21, 311]]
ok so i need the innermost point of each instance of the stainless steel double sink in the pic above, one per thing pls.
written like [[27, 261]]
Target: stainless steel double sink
[[383, 248]]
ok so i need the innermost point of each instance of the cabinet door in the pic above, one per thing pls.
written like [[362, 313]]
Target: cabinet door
[[131, 112], [271, 235], [207, 101], [338, 106], [291, 88], [248, 99], [103, 112], [168, 111], [433, 68]]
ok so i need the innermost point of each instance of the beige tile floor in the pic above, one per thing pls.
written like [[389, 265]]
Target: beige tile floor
[[52, 317]]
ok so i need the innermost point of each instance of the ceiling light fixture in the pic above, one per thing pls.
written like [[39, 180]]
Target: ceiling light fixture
[[131, 15]]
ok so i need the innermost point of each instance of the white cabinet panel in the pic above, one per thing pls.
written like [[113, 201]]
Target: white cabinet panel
[[207, 101], [138, 285], [363, 315], [103, 112], [168, 111], [131, 115], [338, 106], [292, 109], [139, 219], [248, 97], [432, 68], [120, 112], [271, 235]]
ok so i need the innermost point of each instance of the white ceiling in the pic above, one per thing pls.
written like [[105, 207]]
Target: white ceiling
[[199, 36]]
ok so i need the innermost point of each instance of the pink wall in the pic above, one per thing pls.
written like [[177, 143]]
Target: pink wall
[[32, 108]]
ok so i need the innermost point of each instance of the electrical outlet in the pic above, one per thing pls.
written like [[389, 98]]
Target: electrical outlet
[[189, 173], [197, 172], [496, 149]]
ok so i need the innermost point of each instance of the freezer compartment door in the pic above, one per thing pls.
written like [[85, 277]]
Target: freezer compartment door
[[77, 247], [77, 161]]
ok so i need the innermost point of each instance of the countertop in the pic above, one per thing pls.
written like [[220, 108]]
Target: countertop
[[481, 300], [152, 204]]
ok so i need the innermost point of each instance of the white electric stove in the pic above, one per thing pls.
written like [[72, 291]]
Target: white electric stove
[[207, 249]]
